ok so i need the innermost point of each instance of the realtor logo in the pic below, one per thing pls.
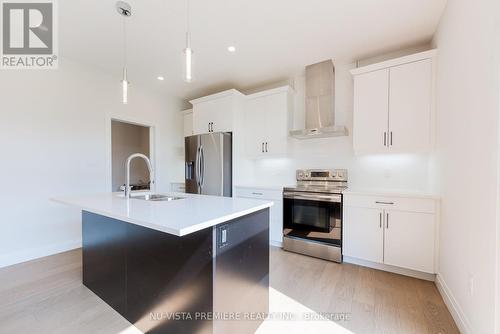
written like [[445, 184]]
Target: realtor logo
[[28, 35]]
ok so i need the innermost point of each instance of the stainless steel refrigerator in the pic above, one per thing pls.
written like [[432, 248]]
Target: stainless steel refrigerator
[[209, 167]]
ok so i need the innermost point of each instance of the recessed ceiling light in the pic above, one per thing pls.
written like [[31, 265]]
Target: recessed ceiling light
[[161, 78], [231, 48]]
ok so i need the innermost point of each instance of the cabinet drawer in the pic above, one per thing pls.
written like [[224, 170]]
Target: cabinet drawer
[[269, 194], [423, 205]]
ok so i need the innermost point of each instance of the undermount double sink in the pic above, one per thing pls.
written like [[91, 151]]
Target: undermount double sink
[[154, 197], [157, 197]]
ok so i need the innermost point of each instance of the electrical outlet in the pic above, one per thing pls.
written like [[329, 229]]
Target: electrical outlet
[[223, 236], [471, 285]]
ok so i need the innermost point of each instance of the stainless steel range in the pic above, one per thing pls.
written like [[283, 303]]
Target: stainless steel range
[[312, 213]]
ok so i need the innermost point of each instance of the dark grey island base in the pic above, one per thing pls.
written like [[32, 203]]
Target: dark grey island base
[[163, 283]]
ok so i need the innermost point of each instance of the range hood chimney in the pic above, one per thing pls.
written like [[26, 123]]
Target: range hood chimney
[[320, 103]]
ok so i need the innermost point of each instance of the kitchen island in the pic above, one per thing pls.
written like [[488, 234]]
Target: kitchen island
[[198, 264]]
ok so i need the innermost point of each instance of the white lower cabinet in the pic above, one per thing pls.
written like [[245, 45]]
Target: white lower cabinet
[[276, 223], [395, 231], [276, 211], [366, 240], [409, 240]]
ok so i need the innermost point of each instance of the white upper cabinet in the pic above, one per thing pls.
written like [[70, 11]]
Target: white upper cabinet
[[393, 105], [371, 107], [267, 122], [255, 127], [410, 103], [216, 113]]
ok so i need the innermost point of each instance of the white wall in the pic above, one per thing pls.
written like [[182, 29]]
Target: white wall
[[404, 172], [466, 159], [55, 141]]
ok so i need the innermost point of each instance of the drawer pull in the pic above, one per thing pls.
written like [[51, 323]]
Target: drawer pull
[[259, 194], [386, 203]]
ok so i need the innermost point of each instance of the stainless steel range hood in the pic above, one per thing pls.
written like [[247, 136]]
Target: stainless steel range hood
[[320, 103]]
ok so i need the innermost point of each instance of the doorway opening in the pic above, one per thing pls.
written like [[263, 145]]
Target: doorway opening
[[126, 139]]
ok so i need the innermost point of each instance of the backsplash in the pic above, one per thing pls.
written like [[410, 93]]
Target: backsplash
[[406, 172]]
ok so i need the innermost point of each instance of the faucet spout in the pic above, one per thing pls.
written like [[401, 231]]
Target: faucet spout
[[127, 171]]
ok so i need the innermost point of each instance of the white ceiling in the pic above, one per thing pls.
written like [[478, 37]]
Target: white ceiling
[[275, 39]]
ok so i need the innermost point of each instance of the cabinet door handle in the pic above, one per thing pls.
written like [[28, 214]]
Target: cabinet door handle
[[266, 146], [385, 138], [209, 127], [387, 220], [212, 126], [380, 220], [386, 203], [391, 138], [262, 147]]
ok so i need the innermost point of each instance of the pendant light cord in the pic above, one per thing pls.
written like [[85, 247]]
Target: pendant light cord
[[188, 24], [188, 21], [124, 42]]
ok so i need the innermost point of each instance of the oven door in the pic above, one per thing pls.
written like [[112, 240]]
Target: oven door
[[313, 212]]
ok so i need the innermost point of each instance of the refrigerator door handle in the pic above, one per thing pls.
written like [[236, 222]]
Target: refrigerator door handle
[[222, 165], [197, 167], [202, 166]]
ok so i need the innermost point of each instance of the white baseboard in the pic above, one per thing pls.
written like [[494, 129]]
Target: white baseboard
[[35, 253], [276, 243], [453, 306], [392, 269]]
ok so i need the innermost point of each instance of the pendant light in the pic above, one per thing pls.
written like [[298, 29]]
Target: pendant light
[[125, 10], [188, 52]]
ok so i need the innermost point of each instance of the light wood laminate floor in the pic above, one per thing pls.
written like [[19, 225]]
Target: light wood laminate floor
[[47, 296]]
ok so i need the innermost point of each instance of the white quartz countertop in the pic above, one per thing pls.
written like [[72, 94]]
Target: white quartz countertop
[[179, 217], [391, 193], [260, 186]]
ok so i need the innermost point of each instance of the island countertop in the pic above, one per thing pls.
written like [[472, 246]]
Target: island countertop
[[180, 217]]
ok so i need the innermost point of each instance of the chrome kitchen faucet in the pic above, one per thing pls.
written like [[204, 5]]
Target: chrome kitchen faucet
[[127, 189]]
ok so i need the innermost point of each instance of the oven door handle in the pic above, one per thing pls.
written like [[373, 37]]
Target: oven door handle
[[314, 197]]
